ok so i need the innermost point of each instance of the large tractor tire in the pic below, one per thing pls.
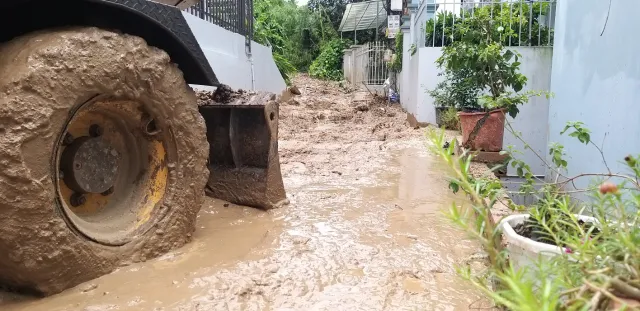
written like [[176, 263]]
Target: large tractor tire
[[102, 157]]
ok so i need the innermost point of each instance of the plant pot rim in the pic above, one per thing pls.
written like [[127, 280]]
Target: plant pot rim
[[462, 113], [507, 224]]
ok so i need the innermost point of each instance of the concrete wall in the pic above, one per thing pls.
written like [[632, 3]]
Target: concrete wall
[[427, 80], [531, 121], [596, 80], [413, 66], [403, 78], [225, 51], [347, 60], [536, 65]]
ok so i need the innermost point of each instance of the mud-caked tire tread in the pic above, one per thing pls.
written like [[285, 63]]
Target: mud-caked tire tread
[[43, 76]]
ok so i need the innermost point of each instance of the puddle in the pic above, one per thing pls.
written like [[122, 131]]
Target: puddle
[[340, 245], [225, 235]]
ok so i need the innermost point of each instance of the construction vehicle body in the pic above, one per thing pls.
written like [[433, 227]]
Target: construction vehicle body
[[106, 154]]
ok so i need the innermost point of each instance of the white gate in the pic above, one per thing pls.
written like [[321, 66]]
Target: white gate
[[367, 64]]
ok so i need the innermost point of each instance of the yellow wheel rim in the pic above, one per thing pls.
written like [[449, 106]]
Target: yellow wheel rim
[[112, 170]]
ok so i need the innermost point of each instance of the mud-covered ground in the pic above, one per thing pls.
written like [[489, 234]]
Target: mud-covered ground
[[364, 231]]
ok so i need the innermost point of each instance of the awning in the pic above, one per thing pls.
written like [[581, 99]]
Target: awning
[[363, 15]]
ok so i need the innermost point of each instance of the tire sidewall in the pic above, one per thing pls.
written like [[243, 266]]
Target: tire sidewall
[[55, 73]]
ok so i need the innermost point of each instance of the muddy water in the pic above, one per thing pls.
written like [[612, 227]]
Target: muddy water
[[351, 242]]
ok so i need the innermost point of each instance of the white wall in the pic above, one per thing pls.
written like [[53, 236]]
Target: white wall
[[347, 65], [427, 80], [596, 80], [413, 63], [531, 122], [225, 51]]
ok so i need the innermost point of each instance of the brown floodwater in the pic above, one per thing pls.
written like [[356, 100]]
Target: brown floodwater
[[358, 241]]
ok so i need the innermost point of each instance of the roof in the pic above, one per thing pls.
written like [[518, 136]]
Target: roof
[[363, 15]]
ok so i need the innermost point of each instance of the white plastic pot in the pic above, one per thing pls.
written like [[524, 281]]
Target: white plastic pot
[[524, 252]]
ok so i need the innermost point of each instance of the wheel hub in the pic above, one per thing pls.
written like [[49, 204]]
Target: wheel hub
[[112, 171], [90, 165]]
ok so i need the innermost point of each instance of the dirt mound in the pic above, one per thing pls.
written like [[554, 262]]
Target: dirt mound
[[322, 104], [222, 95], [330, 126]]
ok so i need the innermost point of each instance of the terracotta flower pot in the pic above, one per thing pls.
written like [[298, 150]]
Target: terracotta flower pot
[[489, 136]]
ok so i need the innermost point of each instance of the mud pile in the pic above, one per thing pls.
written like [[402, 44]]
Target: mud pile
[[331, 129], [222, 95], [360, 115]]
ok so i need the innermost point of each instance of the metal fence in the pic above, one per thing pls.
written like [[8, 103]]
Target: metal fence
[[366, 64], [232, 15], [520, 22]]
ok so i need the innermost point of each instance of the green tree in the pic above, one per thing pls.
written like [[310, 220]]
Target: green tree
[[328, 65], [333, 9], [522, 24], [294, 33]]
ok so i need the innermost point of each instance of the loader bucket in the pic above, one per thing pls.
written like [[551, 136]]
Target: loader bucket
[[243, 157]]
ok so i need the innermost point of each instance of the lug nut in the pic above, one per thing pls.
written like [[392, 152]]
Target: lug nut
[[95, 130], [77, 199], [108, 192], [68, 139]]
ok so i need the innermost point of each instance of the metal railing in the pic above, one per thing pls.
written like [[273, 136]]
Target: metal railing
[[367, 64], [522, 22], [232, 15]]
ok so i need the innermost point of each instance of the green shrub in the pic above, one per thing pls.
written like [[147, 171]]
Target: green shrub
[[456, 90], [514, 18], [479, 59], [599, 268], [396, 63], [295, 34], [450, 119], [328, 65]]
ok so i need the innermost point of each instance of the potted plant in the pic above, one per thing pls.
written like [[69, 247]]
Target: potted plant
[[526, 238], [588, 263], [442, 100], [479, 60], [453, 93]]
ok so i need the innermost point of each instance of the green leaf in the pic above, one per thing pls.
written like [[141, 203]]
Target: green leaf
[[513, 111], [507, 55], [584, 138], [454, 186], [518, 86]]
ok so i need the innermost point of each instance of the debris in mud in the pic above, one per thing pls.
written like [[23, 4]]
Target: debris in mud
[[222, 95], [481, 257], [294, 90], [301, 240], [89, 287], [329, 128], [362, 107]]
